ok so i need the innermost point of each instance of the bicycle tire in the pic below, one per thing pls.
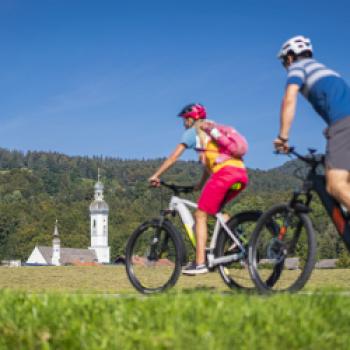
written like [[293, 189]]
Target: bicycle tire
[[236, 275], [153, 264], [268, 256]]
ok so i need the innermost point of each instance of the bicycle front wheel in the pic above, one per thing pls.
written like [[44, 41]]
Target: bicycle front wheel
[[282, 259], [153, 257]]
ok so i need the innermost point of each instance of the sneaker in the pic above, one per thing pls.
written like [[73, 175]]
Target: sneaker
[[194, 269]]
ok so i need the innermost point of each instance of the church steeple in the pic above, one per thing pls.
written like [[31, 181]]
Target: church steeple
[[56, 247], [98, 188], [99, 223]]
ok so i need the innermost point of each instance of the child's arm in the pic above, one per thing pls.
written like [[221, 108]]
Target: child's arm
[[174, 156]]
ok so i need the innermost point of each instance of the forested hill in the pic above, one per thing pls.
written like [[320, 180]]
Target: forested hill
[[38, 187], [127, 172]]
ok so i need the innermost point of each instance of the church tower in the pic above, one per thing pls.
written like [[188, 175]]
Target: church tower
[[56, 247], [99, 224]]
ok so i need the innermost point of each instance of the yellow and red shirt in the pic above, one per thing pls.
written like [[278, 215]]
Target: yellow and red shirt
[[209, 152]]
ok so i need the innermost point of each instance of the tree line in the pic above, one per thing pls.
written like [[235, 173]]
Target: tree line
[[38, 187]]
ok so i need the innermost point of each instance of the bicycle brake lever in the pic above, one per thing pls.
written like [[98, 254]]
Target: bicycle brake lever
[[288, 152]]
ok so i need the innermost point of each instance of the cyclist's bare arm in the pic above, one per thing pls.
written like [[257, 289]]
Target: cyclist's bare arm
[[288, 107], [174, 156]]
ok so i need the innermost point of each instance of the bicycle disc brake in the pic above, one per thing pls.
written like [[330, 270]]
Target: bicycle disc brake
[[276, 250]]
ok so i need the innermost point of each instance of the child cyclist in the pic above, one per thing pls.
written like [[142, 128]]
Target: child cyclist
[[217, 181]]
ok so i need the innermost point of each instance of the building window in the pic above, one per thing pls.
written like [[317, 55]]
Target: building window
[[94, 223]]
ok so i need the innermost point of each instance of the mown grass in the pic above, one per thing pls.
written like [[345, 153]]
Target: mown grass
[[96, 308], [197, 320], [112, 279]]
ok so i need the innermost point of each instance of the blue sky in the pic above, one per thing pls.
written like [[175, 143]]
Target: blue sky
[[87, 77]]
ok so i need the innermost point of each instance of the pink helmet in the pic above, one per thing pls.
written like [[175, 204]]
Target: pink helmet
[[194, 110]]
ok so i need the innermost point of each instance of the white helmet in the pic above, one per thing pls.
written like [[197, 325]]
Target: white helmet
[[296, 45]]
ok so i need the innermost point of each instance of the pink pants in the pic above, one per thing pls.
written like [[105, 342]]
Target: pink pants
[[217, 191]]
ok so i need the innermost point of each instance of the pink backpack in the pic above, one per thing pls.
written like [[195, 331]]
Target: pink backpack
[[229, 140]]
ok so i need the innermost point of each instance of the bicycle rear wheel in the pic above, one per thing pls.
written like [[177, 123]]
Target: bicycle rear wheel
[[284, 260], [154, 253], [236, 274]]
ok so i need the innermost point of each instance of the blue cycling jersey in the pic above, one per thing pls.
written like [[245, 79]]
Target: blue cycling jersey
[[327, 92], [190, 139]]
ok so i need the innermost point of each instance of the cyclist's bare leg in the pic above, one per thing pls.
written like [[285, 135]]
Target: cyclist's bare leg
[[201, 235], [338, 185]]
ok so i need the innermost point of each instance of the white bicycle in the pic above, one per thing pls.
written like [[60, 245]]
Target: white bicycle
[[156, 250]]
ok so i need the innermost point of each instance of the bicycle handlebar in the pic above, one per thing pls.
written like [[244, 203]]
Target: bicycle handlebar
[[176, 188], [311, 159]]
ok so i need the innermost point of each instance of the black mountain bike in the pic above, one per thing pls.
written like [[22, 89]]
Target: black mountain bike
[[293, 248]]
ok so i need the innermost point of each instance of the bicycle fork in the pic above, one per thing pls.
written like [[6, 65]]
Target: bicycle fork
[[154, 253]]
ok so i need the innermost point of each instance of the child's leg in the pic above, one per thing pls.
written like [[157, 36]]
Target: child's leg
[[201, 235], [213, 195]]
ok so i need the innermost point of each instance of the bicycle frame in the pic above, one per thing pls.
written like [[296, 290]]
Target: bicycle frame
[[181, 206], [317, 183], [332, 207]]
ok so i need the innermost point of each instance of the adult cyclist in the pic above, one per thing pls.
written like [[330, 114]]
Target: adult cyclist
[[329, 95], [216, 181]]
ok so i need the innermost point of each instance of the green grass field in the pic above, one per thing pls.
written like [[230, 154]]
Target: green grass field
[[112, 279], [96, 308], [198, 320]]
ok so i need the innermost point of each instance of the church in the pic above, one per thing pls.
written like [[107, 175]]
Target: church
[[98, 252]]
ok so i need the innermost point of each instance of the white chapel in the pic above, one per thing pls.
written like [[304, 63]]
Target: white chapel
[[56, 255], [98, 252]]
